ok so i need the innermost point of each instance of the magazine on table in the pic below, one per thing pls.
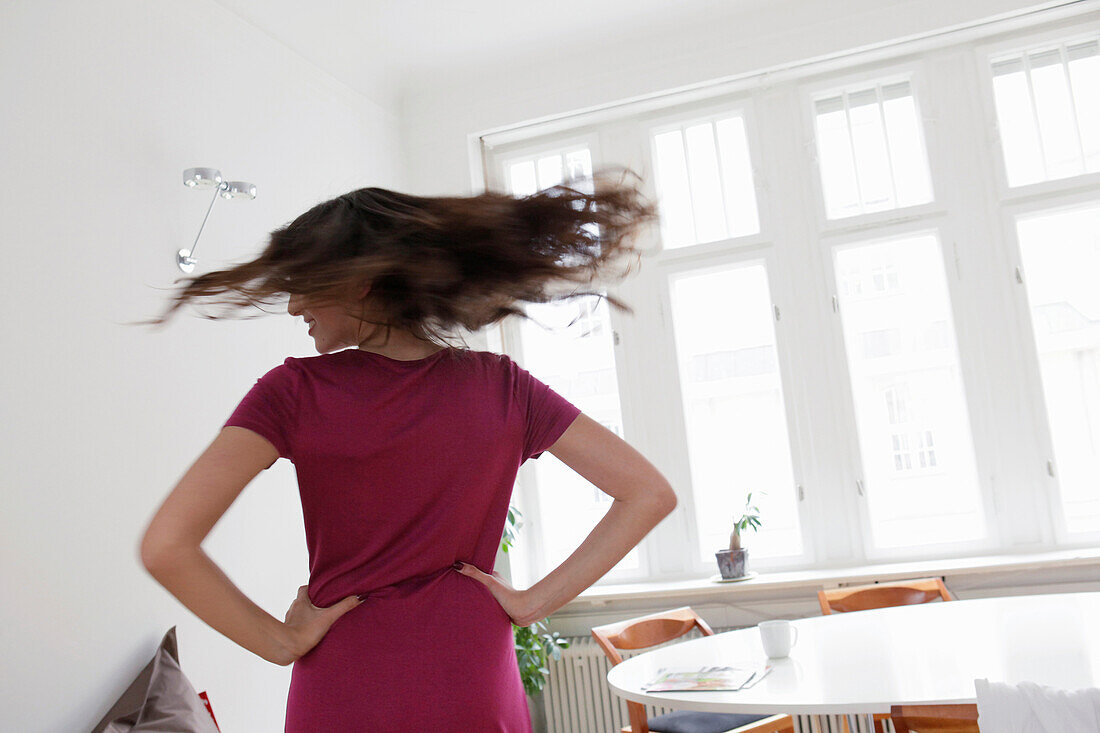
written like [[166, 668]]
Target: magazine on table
[[708, 678]]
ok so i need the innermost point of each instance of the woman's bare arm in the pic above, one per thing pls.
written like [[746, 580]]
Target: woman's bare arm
[[171, 547], [642, 498]]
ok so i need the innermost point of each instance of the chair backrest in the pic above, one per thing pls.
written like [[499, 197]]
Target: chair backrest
[[643, 632], [935, 718], [882, 595]]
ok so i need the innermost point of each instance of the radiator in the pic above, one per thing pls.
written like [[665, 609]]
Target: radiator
[[579, 700], [577, 697]]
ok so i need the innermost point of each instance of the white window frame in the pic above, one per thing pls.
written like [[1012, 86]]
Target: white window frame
[[985, 53], [933, 226], [740, 256], [498, 174], [712, 111], [880, 75], [1043, 196], [1073, 198], [973, 217]]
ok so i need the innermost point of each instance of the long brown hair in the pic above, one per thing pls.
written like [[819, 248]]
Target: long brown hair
[[434, 263]]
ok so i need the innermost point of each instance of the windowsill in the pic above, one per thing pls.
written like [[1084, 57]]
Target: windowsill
[[703, 587]]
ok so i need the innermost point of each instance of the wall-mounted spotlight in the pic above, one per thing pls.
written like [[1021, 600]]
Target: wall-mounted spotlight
[[210, 178]]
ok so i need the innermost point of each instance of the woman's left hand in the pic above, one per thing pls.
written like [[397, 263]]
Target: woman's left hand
[[307, 624], [516, 603]]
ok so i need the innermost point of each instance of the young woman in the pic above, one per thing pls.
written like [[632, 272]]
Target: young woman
[[406, 449]]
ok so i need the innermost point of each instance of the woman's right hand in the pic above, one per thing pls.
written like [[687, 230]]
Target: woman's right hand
[[516, 603]]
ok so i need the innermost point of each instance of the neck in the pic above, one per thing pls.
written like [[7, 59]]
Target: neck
[[400, 345]]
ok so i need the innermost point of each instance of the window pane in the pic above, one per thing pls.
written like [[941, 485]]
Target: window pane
[[733, 146], [578, 166], [706, 188], [872, 157], [906, 147], [1018, 127], [1084, 74], [521, 179], [1054, 108], [733, 405], [677, 221], [1061, 256], [836, 161], [870, 152], [578, 362], [914, 434], [704, 178], [549, 171], [1048, 112]]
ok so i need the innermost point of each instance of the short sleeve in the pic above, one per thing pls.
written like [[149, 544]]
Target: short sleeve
[[270, 407], [546, 413]]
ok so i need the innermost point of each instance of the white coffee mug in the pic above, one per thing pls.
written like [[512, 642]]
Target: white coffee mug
[[778, 637]]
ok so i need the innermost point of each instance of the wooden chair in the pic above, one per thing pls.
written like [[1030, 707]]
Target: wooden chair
[[935, 718], [657, 628], [882, 595]]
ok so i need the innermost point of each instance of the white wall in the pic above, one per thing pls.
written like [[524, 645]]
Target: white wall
[[441, 110], [104, 105]]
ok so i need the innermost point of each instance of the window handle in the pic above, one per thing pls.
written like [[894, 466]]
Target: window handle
[[859, 487], [1050, 467], [836, 305]]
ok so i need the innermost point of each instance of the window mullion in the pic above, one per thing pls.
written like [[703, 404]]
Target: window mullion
[[977, 254], [805, 337], [645, 361]]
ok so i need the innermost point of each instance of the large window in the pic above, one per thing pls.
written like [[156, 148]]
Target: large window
[[733, 406], [858, 312], [1061, 257], [914, 432]]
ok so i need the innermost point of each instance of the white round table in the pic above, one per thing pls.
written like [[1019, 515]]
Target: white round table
[[865, 661]]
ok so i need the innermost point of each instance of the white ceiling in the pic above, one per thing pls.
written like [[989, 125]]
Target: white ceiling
[[380, 47]]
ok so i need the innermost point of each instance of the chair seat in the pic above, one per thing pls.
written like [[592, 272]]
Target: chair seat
[[687, 721]]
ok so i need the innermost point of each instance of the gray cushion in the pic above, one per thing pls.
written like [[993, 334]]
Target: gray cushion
[[688, 721], [159, 700]]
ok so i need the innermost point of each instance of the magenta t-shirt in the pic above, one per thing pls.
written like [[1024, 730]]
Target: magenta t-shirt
[[405, 467]]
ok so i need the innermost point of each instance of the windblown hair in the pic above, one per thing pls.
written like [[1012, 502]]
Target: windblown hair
[[436, 263]]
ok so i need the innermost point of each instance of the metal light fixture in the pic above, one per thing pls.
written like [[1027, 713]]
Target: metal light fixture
[[210, 178]]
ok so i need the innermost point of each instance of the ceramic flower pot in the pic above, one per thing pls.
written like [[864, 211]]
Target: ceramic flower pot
[[731, 563]]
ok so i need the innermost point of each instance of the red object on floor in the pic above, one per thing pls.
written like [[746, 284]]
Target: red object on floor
[[206, 702]]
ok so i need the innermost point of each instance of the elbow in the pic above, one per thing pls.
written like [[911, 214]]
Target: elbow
[[149, 553], [664, 500], [156, 552]]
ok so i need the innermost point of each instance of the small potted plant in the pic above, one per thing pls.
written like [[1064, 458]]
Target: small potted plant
[[732, 562]]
